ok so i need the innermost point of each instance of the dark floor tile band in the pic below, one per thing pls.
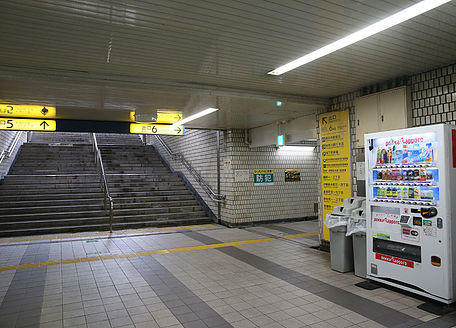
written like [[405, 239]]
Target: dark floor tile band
[[287, 230], [367, 308], [446, 321], [22, 304], [188, 308]]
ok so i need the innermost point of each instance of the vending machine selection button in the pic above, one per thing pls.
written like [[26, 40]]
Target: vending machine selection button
[[417, 221], [404, 219]]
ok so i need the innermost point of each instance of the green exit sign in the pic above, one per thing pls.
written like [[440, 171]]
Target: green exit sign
[[280, 140]]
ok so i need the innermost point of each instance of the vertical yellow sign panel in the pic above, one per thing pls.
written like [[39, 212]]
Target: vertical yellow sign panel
[[335, 161]]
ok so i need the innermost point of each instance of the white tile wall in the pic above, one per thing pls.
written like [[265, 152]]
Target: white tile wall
[[246, 203]]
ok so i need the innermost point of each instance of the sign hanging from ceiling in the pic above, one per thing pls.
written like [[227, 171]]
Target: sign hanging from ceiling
[[32, 111], [169, 117], [157, 129], [162, 117], [22, 124]]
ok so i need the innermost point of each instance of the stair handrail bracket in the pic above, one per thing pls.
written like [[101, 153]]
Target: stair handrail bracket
[[218, 198], [108, 201], [6, 153]]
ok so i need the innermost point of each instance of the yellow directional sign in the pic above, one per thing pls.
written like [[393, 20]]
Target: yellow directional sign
[[37, 111], [157, 129], [24, 124], [169, 117]]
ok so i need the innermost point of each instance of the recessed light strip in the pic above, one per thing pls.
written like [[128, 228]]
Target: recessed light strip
[[195, 116], [395, 19]]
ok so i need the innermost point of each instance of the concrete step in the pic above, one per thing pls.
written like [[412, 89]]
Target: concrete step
[[151, 199], [21, 197], [37, 192], [52, 202], [143, 210], [160, 204], [11, 218], [46, 186], [51, 208]]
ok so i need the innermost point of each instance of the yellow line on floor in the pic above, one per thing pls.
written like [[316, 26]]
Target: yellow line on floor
[[301, 235], [101, 233], [145, 253]]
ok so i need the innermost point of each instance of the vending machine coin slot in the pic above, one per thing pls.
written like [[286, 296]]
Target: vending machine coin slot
[[436, 261]]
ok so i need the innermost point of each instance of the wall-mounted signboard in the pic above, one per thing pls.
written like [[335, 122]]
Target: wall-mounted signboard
[[292, 175], [335, 161], [263, 177]]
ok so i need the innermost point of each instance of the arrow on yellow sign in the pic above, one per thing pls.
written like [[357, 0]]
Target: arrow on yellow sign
[[37, 111], [23, 124], [157, 129], [169, 117]]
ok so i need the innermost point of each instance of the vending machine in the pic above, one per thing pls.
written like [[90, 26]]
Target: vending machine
[[411, 209]]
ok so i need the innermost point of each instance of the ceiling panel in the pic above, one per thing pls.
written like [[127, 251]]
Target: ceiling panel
[[207, 47]]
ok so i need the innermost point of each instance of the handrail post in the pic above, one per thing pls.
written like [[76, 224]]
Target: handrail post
[[107, 199]]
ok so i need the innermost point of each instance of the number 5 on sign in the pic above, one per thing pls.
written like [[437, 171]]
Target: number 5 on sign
[[20, 124]]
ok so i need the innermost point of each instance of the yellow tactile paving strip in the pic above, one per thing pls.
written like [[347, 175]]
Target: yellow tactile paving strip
[[301, 235], [101, 233], [147, 253]]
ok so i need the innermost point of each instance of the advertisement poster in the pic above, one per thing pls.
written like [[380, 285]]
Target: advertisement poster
[[292, 175], [335, 161], [263, 177]]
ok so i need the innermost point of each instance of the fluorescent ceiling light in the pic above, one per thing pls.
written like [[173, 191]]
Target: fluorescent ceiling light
[[402, 16], [195, 116], [297, 148]]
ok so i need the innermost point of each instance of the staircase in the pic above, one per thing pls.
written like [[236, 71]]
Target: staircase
[[51, 189], [144, 191], [64, 138], [54, 187]]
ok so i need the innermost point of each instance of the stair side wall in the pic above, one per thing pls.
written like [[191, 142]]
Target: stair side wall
[[6, 137]]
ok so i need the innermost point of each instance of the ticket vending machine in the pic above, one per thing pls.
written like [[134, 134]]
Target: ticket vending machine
[[411, 209]]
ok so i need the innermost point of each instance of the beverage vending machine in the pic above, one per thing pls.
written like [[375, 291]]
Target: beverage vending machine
[[411, 209]]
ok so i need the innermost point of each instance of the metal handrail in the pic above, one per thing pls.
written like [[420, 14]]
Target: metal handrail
[[107, 196], [218, 198], [7, 153]]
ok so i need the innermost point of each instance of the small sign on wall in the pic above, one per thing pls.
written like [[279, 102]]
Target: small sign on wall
[[263, 177], [292, 175], [241, 175]]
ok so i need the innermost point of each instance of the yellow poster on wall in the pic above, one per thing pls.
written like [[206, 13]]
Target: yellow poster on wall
[[335, 161]]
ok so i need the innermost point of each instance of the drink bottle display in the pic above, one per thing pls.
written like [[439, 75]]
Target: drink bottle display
[[410, 188]]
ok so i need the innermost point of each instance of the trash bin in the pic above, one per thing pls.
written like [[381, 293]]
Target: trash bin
[[341, 245], [356, 228]]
